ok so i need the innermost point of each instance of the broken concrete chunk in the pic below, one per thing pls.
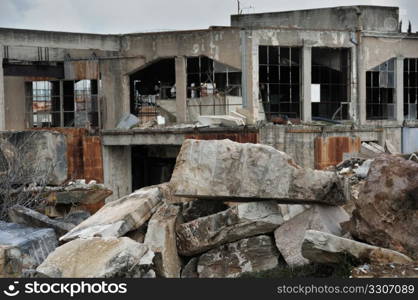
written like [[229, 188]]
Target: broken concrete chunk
[[390, 148], [121, 216], [23, 248], [76, 197], [385, 213], [98, 258], [289, 236], [377, 147], [369, 151], [76, 217], [321, 247], [250, 172], [231, 260], [290, 211], [363, 170], [161, 239], [25, 216], [241, 221], [190, 269]]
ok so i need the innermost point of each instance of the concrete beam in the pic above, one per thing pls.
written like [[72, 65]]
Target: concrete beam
[[2, 102], [399, 97], [181, 89], [306, 83]]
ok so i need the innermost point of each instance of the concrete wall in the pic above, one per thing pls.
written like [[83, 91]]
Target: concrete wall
[[14, 99], [298, 141], [383, 19], [51, 39], [117, 170], [220, 44]]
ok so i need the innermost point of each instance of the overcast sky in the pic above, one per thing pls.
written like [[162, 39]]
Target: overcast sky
[[125, 16]]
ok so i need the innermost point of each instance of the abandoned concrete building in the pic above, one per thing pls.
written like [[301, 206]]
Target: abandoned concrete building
[[294, 80]]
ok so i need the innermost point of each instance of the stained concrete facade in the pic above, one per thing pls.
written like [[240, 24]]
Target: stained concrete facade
[[370, 34]]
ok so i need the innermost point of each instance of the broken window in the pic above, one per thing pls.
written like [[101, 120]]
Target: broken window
[[154, 82], [411, 88], [75, 106], [279, 77], [207, 77], [380, 91], [330, 83]]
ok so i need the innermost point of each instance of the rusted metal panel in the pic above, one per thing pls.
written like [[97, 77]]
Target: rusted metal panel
[[93, 159], [83, 69], [240, 137], [330, 151]]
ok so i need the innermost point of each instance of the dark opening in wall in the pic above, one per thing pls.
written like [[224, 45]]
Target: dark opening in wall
[[208, 77], [411, 88], [152, 165], [330, 83], [151, 83], [380, 92], [279, 77]]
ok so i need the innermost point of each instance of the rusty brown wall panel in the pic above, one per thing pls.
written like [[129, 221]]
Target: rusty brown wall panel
[[92, 158], [240, 137], [330, 151], [83, 69]]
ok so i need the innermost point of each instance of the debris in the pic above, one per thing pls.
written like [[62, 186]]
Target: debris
[[226, 121], [98, 258], [190, 269], [386, 212], [25, 216], [290, 211], [23, 248], [385, 271], [289, 236], [222, 169], [390, 148], [161, 239], [377, 147], [370, 151], [254, 254], [321, 247], [128, 121], [363, 169], [121, 216], [241, 221]]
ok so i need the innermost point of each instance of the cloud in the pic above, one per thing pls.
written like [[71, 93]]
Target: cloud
[[123, 16]]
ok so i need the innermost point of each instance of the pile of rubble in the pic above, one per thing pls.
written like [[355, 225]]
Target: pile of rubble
[[229, 209]]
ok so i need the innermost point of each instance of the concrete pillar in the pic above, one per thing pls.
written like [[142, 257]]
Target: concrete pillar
[[306, 104], [399, 85], [361, 100], [2, 101], [117, 167], [181, 89]]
